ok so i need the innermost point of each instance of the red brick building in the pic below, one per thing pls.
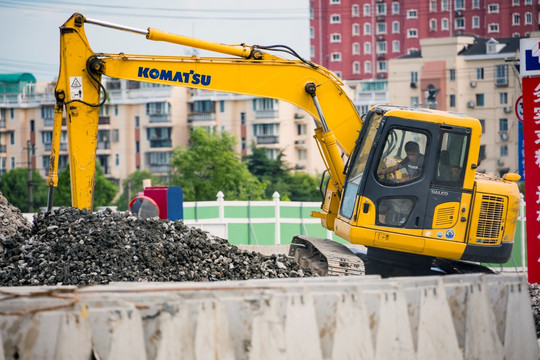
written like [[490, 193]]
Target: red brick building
[[356, 38]]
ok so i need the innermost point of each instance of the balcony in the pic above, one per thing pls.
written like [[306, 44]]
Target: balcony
[[501, 81], [267, 139], [63, 146], [206, 116], [50, 121], [266, 114], [159, 168], [160, 118], [162, 143], [104, 120], [103, 145]]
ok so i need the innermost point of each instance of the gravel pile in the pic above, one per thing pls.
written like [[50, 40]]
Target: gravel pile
[[77, 247], [13, 224]]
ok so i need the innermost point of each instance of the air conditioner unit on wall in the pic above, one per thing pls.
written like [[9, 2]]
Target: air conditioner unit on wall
[[500, 162], [507, 109], [503, 135], [472, 84], [470, 104]]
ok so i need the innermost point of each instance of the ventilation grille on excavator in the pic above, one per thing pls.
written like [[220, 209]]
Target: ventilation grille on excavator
[[490, 219], [444, 217]]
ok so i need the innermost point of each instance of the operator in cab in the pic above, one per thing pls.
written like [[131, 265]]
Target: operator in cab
[[413, 163]]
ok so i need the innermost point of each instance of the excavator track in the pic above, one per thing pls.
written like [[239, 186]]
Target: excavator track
[[325, 257]]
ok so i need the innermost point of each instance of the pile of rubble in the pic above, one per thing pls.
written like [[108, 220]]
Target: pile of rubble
[[77, 247]]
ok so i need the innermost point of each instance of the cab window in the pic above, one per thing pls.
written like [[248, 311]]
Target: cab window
[[402, 159], [451, 159]]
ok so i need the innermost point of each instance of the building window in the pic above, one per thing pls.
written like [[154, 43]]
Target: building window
[[12, 138], [444, 5], [479, 99], [395, 27], [356, 48], [433, 5], [221, 106], [312, 32], [117, 159], [381, 28], [381, 9], [412, 14], [381, 47], [356, 29], [493, 28], [452, 100], [415, 102], [476, 22], [528, 2], [338, 74], [444, 24], [154, 108], [475, 4], [395, 8], [503, 124], [503, 98], [367, 47], [301, 129], [355, 10], [356, 67], [452, 74], [501, 75], [515, 19], [493, 8], [367, 67], [460, 23], [381, 66], [515, 2], [335, 38], [432, 24], [504, 150], [479, 73], [336, 56], [459, 4], [412, 33], [12, 162], [396, 47], [335, 19], [367, 29], [302, 154], [367, 10], [528, 18], [414, 77]]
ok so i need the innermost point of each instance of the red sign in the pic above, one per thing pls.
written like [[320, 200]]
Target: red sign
[[531, 139]]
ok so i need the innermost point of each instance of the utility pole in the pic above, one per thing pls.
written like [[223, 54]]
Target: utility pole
[[30, 151]]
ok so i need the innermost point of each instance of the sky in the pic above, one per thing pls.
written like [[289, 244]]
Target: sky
[[30, 28]]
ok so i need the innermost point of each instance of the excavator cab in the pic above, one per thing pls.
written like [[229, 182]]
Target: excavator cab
[[409, 192]]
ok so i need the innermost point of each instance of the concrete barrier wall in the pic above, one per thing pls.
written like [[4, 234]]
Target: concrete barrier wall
[[452, 317]]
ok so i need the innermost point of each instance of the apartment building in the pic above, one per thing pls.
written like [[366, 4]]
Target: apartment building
[[141, 124], [473, 76], [356, 38]]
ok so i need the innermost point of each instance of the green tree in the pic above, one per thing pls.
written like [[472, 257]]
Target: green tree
[[14, 187], [209, 165], [135, 183], [104, 190], [278, 177]]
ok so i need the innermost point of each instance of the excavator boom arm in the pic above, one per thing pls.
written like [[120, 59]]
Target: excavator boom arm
[[251, 72]]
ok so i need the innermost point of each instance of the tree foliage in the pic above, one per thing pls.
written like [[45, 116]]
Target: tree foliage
[[104, 190], [14, 187], [135, 184], [278, 177], [209, 165]]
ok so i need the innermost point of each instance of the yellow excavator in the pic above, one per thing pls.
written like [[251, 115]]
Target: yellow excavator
[[401, 181]]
